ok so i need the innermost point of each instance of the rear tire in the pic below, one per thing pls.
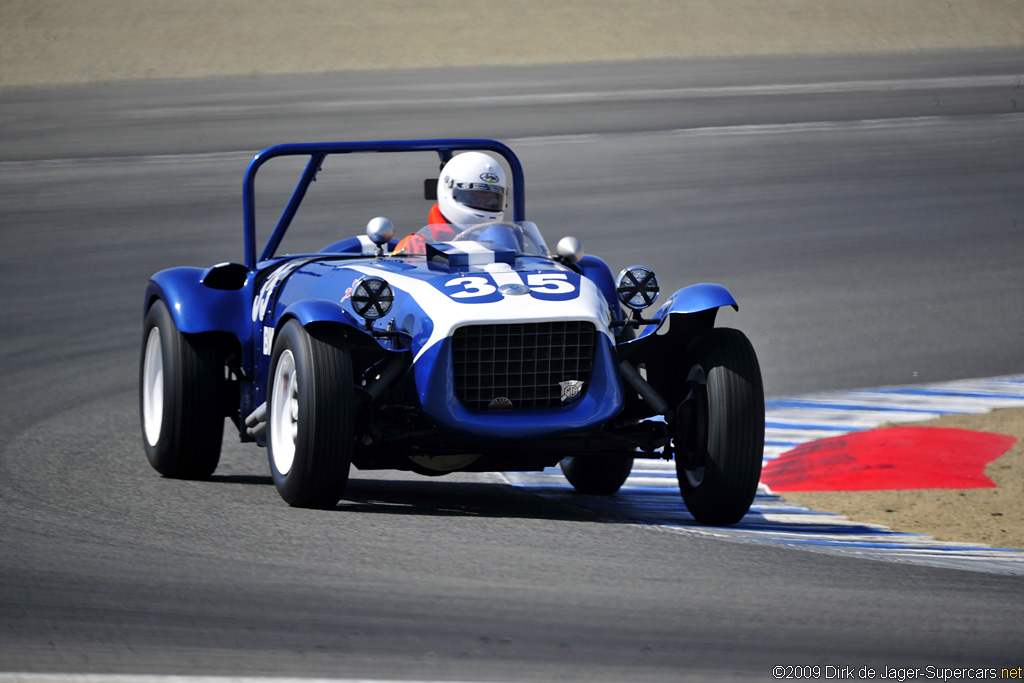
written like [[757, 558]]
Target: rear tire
[[180, 398], [719, 440], [597, 475], [310, 417]]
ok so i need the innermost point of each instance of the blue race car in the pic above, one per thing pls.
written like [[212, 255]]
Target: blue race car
[[481, 351]]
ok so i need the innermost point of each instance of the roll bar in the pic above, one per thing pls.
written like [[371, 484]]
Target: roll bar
[[318, 151]]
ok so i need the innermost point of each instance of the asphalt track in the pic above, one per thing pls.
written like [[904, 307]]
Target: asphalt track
[[865, 212]]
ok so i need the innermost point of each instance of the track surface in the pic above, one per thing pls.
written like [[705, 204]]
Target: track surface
[[866, 213]]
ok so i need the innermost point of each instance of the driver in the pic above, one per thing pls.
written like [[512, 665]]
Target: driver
[[470, 191]]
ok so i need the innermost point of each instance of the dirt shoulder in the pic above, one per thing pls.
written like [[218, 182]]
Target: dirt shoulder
[[55, 42], [990, 516]]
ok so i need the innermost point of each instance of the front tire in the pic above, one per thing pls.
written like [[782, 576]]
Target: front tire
[[597, 475], [720, 430], [180, 398], [310, 417]]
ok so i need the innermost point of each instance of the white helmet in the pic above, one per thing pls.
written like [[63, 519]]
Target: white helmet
[[471, 189]]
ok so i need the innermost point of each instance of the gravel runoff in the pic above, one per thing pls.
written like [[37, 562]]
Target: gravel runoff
[[55, 42]]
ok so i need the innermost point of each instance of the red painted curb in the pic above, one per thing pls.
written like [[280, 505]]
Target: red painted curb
[[887, 459]]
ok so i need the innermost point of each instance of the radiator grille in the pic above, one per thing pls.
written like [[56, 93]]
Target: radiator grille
[[521, 362]]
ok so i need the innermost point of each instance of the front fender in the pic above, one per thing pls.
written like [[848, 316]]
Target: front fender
[[661, 347], [697, 298], [309, 311], [198, 308], [688, 301], [312, 311], [686, 312]]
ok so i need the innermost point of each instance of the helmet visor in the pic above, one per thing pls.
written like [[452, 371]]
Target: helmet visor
[[480, 196]]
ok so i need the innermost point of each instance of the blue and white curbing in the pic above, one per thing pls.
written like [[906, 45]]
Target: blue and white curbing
[[651, 494]]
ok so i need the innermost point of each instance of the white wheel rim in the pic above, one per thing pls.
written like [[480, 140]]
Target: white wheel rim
[[153, 387], [284, 413]]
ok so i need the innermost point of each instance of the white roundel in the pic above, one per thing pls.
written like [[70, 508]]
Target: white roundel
[[472, 189]]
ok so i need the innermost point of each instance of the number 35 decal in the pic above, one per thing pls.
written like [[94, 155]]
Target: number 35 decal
[[485, 289]]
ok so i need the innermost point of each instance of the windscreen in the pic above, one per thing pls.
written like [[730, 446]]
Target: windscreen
[[521, 237]]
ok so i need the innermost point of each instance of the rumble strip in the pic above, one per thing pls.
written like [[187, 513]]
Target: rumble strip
[[651, 494]]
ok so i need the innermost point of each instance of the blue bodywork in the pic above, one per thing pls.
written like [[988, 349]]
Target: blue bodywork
[[246, 304]]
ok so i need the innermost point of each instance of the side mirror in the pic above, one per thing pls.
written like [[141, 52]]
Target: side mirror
[[430, 189], [380, 231], [569, 250]]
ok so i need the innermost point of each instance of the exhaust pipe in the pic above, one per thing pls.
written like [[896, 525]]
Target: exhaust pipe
[[256, 423]]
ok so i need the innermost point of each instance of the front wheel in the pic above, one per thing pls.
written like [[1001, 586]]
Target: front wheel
[[310, 417], [180, 398], [597, 475], [719, 439]]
